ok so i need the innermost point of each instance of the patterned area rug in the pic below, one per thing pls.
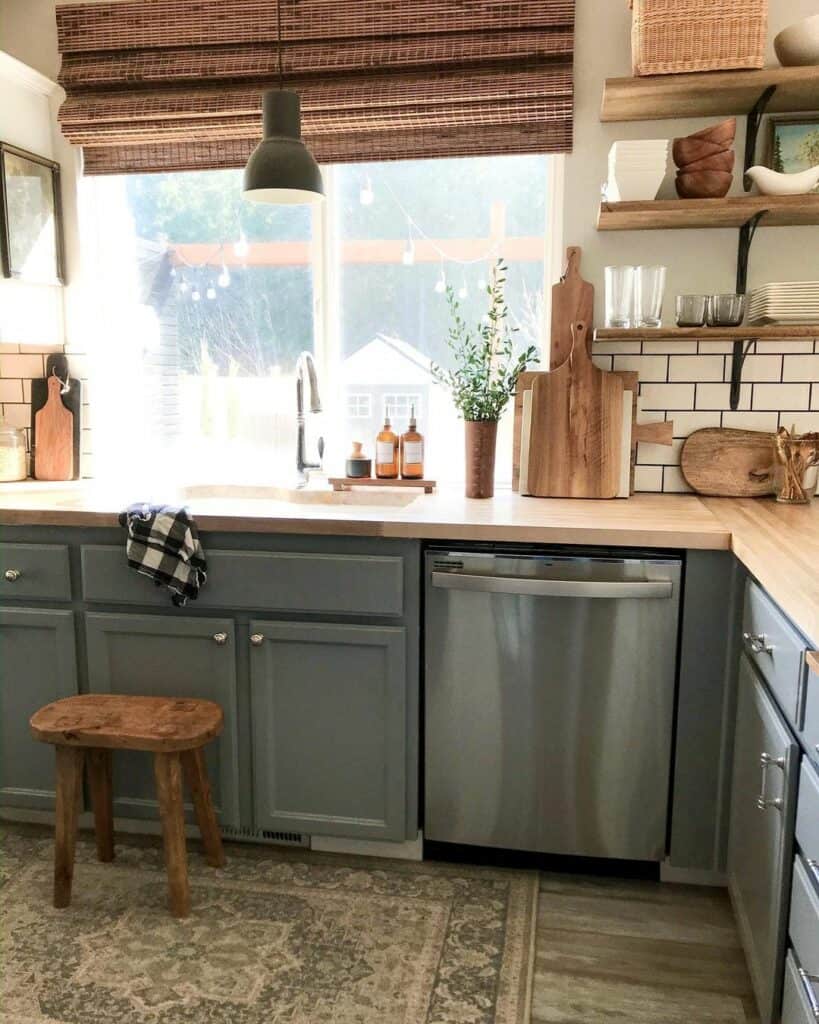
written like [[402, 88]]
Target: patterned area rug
[[278, 937]]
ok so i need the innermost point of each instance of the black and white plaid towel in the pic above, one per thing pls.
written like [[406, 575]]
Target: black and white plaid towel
[[163, 543]]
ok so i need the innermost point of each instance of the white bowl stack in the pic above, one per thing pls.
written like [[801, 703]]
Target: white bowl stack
[[791, 302], [637, 168]]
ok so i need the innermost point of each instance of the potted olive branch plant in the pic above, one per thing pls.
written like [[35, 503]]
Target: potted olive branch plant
[[486, 370]]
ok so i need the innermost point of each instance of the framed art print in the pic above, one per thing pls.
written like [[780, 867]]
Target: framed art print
[[31, 237], [793, 144]]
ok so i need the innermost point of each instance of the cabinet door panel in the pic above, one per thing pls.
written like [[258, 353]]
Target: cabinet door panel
[[760, 841], [329, 728], [168, 656], [37, 666]]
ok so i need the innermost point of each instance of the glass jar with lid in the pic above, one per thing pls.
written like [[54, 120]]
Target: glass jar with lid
[[13, 458]]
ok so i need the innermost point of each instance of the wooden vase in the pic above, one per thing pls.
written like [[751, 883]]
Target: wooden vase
[[481, 437]]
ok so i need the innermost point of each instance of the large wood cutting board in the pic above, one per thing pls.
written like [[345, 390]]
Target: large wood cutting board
[[726, 463], [572, 303], [577, 428]]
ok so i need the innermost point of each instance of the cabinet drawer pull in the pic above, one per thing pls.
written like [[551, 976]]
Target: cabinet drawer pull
[[813, 867], [257, 639], [220, 639], [808, 981], [12, 575], [757, 643], [767, 761]]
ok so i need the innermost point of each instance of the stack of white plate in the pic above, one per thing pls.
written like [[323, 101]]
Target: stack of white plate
[[791, 302], [636, 169]]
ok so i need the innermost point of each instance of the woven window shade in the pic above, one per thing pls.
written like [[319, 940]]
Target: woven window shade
[[162, 85]]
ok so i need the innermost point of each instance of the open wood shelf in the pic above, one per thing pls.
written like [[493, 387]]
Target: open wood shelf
[[744, 333], [709, 93], [731, 212]]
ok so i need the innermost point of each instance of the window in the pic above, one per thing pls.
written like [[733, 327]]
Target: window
[[202, 303], [359, 407]]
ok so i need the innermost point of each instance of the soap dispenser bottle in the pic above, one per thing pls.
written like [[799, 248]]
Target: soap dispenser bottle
[[412, 451], [386, 452]]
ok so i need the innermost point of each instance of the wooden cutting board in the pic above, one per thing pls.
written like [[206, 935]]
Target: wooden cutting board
[[72, 400], [722, 462], [577, 427], [572, 303], [54, 427]]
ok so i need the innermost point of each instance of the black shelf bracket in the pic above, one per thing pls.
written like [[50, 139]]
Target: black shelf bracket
[[752, 123], [741, 348]]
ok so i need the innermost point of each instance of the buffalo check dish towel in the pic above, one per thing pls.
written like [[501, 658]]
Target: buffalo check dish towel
[[163, 543]]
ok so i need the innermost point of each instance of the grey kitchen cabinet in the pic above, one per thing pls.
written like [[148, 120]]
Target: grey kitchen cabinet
[[37, 665], [169, 656], [329, 710], [760, 838]]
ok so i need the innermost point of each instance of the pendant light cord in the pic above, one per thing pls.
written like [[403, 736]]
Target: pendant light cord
[[279, 38]]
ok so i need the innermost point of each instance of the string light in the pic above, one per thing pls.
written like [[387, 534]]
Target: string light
[[463, 291], [366, 196], [195, 295], [440, 284], [241, 248], [183, 286], [211, 292], [223, 280], [482, 284]]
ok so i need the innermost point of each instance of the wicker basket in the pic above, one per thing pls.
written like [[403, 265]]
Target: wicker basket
[[670, 37]]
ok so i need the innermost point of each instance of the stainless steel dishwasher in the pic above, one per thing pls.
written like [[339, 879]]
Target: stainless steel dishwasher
[[550, 684]]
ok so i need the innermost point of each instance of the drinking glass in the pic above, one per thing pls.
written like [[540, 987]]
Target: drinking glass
[[619, 296], [649, 289], [691, 310]]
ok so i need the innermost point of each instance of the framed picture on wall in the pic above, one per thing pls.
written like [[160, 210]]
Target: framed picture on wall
[[31, 231], [793, 144]]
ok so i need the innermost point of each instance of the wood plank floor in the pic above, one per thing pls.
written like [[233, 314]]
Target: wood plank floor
[[635, 952]]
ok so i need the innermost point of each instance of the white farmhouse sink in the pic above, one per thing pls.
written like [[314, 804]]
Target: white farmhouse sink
[[293, 496]]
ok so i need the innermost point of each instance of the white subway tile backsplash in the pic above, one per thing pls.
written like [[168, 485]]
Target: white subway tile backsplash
[[718, 396], [648, 478], [667, 347], [805, 367], [751, 420], [667, 396], [650, 368], [21, 366], [758, 368], [794, 345], [781, 396], [814, 401], [659, 454], [615, 347], [603, 362], [686, 423], [805, 422], [696, 368], [706, 347], [17, 415], [673, 480], [11, 391]]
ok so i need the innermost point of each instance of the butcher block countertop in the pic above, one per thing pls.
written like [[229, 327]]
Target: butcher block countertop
[[778, 544]]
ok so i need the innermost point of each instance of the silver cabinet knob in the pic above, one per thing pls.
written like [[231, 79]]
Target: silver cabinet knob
[[12, 575], [220, 639], [257, 639], [757, 643]]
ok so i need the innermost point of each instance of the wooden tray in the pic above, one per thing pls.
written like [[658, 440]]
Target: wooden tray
[[345, 483]]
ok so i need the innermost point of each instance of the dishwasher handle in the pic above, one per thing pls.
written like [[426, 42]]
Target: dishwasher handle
[[532, 587]]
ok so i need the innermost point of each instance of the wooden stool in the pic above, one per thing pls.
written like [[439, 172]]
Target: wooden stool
[[87, 728]]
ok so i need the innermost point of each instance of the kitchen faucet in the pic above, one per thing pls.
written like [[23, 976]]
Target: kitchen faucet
[[305, 361]]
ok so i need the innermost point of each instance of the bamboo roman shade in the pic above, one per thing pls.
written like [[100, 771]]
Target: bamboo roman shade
[[158, 85]]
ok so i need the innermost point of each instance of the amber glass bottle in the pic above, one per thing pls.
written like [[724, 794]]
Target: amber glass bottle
[[412, 451], [386, 452]]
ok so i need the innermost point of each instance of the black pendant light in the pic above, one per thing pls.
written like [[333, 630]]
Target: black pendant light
[[281, 168]]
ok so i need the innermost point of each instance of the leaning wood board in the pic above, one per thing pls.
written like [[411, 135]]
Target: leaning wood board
[[572, 303], [579, 408], [726, 463]]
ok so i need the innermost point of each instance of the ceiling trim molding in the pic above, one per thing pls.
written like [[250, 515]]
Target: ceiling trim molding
[[13, 70]]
